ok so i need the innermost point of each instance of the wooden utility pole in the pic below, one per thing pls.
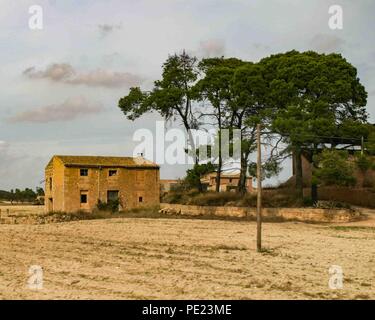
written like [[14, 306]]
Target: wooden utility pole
[[259, 190], [362, 145]]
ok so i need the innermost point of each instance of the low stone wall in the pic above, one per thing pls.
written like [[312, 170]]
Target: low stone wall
[[300, 214]]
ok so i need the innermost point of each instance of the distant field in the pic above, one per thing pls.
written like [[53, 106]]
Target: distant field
[[21, 209], [138, 258]]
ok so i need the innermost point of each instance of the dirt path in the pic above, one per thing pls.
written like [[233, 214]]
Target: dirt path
[[135, 258], [368, 222]]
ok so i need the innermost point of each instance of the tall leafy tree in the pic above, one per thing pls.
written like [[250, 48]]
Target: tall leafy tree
[[216, 87], [317, 99], [248, 109], [172, 96]]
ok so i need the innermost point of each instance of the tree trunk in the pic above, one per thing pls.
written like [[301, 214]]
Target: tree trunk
[[220, 164], [314, 193], [241, 187], [314, 183], [298, 171], [191, 143], [218, 173]]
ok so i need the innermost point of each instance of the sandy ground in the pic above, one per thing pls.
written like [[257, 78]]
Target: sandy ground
[[136, 258]]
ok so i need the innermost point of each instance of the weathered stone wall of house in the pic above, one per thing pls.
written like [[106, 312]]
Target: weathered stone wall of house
[[226, 183], [132, 184], [300, 214], [48, 188], [54, 200]]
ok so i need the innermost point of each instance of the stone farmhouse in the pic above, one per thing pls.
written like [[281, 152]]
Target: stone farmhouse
[[75, 183], [228, 182]]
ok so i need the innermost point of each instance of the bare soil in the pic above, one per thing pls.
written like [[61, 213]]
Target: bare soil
[[139, 258]]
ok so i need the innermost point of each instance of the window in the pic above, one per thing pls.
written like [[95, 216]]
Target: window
[[112, 173], [230, 180], [112, 195], [84, 172], [83, 197], [50, 183], [140, 199]]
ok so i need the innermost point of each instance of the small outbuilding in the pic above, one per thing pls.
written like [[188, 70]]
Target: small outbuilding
[[228, 181]]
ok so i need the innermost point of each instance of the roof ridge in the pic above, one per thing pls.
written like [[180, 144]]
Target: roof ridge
[[105, 160], [88, 156]]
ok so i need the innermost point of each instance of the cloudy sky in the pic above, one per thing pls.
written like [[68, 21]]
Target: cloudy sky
[[60, 85]]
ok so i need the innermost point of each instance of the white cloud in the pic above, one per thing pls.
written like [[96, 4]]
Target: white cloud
[[70, 109], [64, 72], [55, 72], [105, 78]]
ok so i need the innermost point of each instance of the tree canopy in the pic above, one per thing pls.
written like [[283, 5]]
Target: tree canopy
[[334, 168], [317, 99], [310, 101]]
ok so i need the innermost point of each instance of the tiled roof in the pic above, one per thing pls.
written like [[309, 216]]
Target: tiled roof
[[104, 161]]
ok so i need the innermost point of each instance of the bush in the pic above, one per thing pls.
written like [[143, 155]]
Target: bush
[[283, 197], [334, 168], [174, 197], [307, 202], [111, 205], [368, 182], [363, 163], [214, 198], [280, 197], [332, 205]]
